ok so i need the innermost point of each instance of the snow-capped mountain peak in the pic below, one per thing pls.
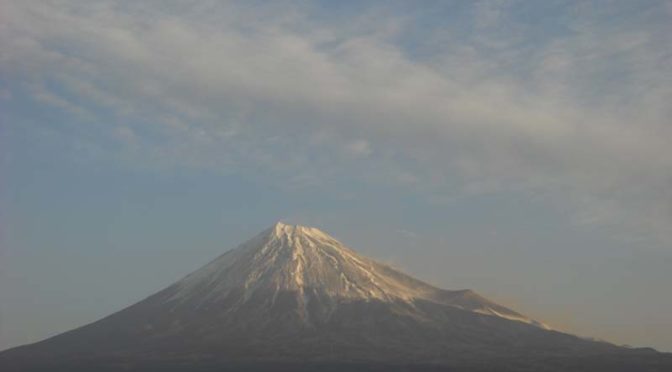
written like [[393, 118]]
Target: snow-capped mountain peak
[[294, 293], [316, 268]]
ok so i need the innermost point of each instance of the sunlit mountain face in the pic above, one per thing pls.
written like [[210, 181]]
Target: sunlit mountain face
[[294, 298]]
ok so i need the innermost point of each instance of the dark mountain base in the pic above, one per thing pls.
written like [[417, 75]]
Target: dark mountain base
[[644, 362]]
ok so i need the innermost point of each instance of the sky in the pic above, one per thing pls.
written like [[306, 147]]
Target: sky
[[522, 149]]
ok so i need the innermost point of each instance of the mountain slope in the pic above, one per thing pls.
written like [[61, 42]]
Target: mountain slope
[[293, 293], [309, 262]]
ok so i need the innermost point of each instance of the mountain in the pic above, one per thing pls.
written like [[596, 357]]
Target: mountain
[[294, 298]]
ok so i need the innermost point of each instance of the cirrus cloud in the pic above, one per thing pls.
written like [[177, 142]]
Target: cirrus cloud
[[484, 101]]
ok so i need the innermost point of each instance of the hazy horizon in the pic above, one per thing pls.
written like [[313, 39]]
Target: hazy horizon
[[518, 149]]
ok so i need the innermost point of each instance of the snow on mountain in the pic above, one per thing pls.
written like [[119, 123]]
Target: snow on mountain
[[306, 260]]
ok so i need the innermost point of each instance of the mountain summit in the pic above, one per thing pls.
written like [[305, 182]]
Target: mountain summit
[[319, 272], [293, 294]]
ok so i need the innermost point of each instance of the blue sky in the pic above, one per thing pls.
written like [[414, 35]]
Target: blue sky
[[521, 149]]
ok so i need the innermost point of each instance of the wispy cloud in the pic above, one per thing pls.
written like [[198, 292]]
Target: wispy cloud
[[576, 109]]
